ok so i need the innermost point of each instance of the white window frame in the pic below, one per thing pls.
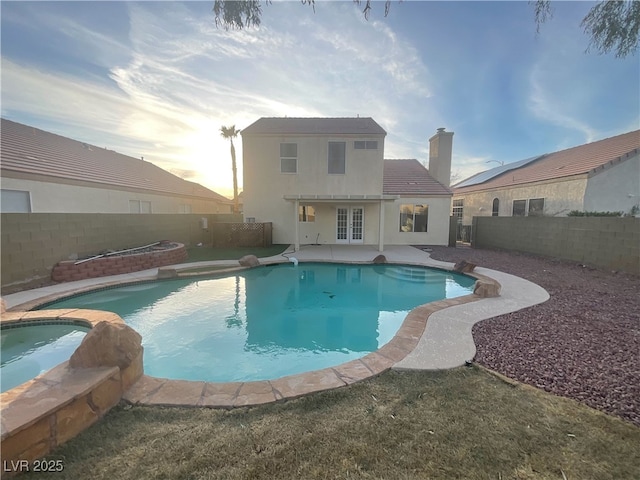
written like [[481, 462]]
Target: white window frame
[[524, 209], [535, 213], [15, 201], [458, 208], [288, 158], [334, 163], [411, 219], [365, 145], [139, 206], [306, 213]]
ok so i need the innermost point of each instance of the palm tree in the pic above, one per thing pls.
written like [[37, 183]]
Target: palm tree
[[231, 133]]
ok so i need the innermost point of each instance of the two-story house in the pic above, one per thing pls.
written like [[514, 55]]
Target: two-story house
[[325, 181]]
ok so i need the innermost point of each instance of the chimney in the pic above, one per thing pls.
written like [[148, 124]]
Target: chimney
[[440, 148]]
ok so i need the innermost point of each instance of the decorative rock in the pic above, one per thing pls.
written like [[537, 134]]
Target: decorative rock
[[107, 345], [464, 267], [486, 289], [249, 261], [380, 259], [166, 272]]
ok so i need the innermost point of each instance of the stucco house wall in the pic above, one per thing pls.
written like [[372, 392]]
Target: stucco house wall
[[560, 197], [265, 187], [439, 213], [50, 197], [323, 229], [614, 189]]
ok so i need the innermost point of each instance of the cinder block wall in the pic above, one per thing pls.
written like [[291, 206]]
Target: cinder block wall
[[32, 243], [606, 242]]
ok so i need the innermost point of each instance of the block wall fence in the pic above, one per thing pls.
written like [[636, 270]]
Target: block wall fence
[[605, 242], [32, 243]]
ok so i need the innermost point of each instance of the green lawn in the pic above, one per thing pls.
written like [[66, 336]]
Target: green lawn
[[464, 423], [200, 254]]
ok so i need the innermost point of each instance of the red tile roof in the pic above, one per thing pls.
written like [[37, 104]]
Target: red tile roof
[[580, 160], [29, 150], [410, 177]]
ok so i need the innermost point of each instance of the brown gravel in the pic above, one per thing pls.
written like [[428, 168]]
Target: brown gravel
[[583, 343]]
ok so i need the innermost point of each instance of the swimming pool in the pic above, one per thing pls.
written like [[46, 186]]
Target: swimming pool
[[271, 321], [31, 349]]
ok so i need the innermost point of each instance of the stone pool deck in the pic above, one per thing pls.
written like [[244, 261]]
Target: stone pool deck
[[434, 336]]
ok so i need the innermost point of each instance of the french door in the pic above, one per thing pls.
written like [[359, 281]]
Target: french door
[[349, 224]]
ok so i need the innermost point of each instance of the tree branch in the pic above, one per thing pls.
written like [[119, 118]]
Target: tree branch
[[543, 12], [614, 25]]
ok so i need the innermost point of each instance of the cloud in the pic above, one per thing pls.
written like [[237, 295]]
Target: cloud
[[63, 98], [172, 79], [556, 107], [464, 166]]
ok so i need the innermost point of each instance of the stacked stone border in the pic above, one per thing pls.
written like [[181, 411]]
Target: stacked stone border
[[69, 270], [54, 407]]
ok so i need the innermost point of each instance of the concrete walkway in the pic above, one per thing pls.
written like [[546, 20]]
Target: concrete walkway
[[446, 341]]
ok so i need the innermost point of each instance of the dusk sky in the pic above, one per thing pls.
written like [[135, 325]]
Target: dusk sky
[[158, 79]]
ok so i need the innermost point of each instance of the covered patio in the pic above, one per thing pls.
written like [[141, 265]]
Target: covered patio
[[351, 217]]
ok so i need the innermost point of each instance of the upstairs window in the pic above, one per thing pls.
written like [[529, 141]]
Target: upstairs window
[[288, 158], [365, 144], [495, 207], [337, 158]]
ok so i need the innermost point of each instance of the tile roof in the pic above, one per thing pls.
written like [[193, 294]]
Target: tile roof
[[29, 150], [410, 177], [314, 126], [583, 159]]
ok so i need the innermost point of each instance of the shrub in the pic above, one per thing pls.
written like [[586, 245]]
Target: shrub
[[578, 213]]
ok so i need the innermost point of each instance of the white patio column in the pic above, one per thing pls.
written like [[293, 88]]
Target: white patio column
[[296, 244], [381, 227]]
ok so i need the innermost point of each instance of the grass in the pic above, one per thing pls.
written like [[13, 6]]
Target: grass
[[462, 423], [200, 254]]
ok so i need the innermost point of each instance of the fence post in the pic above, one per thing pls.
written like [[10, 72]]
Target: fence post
[[453, 230], [474, 232]]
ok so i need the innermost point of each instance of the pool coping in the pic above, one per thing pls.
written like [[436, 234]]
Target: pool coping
[[399, 352]]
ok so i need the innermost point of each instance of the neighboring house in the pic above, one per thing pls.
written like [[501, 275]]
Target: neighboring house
[[599, 176], [44, 172], [325, 181]]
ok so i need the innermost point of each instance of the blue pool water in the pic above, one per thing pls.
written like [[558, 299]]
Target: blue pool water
[[271, 321], [27, 351]]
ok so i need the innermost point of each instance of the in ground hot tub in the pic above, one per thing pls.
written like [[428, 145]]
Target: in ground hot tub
[[31, 348]]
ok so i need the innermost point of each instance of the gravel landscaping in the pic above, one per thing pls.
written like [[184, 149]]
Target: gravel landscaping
[[583, 343]]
